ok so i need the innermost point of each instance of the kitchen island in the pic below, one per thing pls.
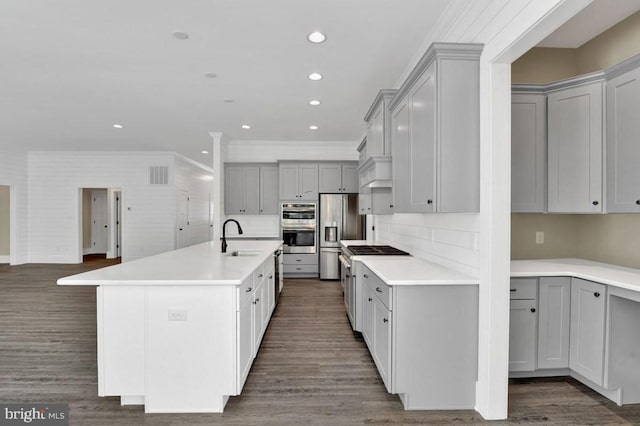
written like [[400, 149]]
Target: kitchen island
[[178, 331]]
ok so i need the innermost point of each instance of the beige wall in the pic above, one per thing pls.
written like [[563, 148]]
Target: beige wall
[[86, 218], [610, 238], [4, 220]]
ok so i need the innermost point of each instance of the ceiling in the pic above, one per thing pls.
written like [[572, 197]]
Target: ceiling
[[73, 68]]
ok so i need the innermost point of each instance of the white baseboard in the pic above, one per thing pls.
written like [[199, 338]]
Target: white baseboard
[[4, 259]]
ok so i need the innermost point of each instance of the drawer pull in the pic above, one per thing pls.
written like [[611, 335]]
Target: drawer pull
[[298, 269], [248, 290], [366, 276], [596, 294], [385, 320], [595, 203], [513, 289], [638, 202], [347, 276], [533, 310], [298, 260], [378, 290], [270, 277]]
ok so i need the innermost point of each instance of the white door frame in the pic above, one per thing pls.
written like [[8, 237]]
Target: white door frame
[[111, 191]]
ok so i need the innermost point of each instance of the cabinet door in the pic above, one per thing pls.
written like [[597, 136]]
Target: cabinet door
[[330, 178], [575, 149], [269, 190], [554, 305], [364, 203], [258, 317], [271, 293], [350, 181], [251, 185], [308, 182], [422, 142], [623, 149], [288, 182], [375, 132], [587, 329], [382, 342], [528, 152], [245, 343], [522, 335], [234, 190], [400, 157], [368, 317], [381, 201]]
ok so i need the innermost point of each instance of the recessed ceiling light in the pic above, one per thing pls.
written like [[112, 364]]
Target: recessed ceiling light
[[229, 101], [210, 74], [205, 152], [118, 126], [316, 37], [314, 102], [315, 76], [314, 127], [246, 126], [180, 35]]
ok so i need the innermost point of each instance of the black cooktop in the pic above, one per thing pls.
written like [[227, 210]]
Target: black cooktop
[[376, 250]]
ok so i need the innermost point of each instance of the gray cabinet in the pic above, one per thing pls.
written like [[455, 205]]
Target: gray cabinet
[[338, 178], [250, 189], [554, 305], [575, 149], [436, 133], [528, 152], [298, 181], [269, 197], [623, 149], [587, 329], [523, 321], [375, 201], [242, 190], [378, 120]]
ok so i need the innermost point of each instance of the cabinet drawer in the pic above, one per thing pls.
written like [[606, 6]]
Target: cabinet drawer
[[377, 286], [523, 288], [245, 290], [300, 259], [301, 269]]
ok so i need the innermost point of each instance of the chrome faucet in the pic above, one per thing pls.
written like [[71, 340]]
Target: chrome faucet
[[224, 238]]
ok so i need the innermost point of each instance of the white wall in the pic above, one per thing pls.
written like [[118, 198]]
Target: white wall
[[55, 179], [13, 172], [197, 180]]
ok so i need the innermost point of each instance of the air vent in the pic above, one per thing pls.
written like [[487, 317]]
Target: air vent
[[159, 175]]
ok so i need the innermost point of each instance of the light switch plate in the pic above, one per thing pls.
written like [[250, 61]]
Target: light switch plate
[[539, 237]]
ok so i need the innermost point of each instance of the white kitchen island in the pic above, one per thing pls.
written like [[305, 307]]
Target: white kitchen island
[[178, 332]]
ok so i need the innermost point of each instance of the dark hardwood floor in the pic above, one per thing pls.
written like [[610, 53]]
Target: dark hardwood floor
[[311, 369]]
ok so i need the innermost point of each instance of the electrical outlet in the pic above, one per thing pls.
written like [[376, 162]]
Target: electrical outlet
[[177, 314], [539, 237]]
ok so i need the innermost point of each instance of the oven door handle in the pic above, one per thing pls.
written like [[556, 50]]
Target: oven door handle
[[345, 262]]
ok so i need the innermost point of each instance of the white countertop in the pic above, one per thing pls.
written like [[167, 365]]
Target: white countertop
[[409, 270], [618, 276], [202, 264]]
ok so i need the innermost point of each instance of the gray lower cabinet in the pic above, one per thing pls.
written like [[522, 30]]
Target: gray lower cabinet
[[523, 321], [623, 149], [588, 304], [554, 304], [575, 143], [435, 126], [299, 181], [528, 152], [298, 264]]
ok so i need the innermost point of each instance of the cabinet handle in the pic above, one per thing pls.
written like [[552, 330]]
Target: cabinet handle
[[298, 269], [347, 276], [248, 290], [390, 206], [429, 201], [513, 289], [298, 260], [370, 299], [596, 294], [366, 276], [257, 300], [533, 309], [378, 290], [261, 210], [595, 203], [638, 202], [385, 320], [260, 276]]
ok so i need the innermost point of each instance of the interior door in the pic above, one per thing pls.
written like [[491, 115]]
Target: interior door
[[182, 231], [99, 221], [118, 233]]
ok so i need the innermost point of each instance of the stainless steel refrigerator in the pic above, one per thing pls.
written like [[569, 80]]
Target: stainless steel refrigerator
[[339, 220]]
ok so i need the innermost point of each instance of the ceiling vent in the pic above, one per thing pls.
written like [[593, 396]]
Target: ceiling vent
[[159, 175]]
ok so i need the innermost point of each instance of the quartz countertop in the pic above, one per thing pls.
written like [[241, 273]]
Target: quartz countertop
[[409, 270], [618, 276], [201, 264]]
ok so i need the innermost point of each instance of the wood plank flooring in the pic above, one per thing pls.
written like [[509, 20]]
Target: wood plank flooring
[[311, 369]]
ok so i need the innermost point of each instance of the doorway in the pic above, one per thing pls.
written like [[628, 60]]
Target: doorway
[[5, 223], [101, 223], [182, 219]]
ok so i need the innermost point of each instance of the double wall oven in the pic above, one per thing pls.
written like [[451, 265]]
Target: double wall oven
[[298, 223]]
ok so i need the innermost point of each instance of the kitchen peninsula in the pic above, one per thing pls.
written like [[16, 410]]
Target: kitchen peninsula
[[178, 331]]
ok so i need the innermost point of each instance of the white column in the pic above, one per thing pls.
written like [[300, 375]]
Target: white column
[[218, 152]]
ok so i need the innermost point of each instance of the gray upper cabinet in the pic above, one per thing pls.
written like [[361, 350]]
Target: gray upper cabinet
[[436, 133], [269, 197], [338, 177], [378, 124], [623, 148], [575, 149], [299, 181], [528, 152], [250, 189]]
